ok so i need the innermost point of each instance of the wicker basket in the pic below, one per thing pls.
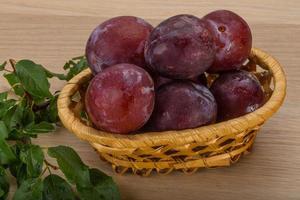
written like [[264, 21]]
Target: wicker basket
[[188, 150]]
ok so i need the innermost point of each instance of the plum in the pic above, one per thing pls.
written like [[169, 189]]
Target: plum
[[120, 99], [182, 105], [180, 47], [117, 40], [232, 39], [237, 93]]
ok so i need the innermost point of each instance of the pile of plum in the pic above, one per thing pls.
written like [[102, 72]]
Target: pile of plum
[[155, 79]]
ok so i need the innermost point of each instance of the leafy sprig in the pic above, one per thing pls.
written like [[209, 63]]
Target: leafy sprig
[[27, 110]]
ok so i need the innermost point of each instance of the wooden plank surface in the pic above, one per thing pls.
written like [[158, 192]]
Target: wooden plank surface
[[50, 32]]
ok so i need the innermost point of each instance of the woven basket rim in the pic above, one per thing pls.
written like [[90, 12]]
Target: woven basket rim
[[178, 137]]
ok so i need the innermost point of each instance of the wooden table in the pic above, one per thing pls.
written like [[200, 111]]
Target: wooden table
[[50, 32]]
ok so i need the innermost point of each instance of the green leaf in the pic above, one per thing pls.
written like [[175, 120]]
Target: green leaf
[[56, 187], [13, 117], [6, 154], [74, 66], [2, 66], [49, 112], [30, 189], [4, 184], [19, 171], [77, 67], [3, 130], [33, 157], [18, 168], [28, 117], [67, 65], [3, 96], [16, 134], [33, 78], [102, 187], [5, 107], [43, 127], [53, 112], [71, 165], [14, 82]]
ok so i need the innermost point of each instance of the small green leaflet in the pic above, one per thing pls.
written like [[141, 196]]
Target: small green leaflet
[[14, 82], [30, 189], [5, 106], [91, 184], [102, 187], [6, 154], [4, 185], [74, 67], [3, 130], [33, 157], [43, 127], [18, 169], [56, 187], [33, 78], [13, 117], [52, 110], [28, 118], [71, 165]]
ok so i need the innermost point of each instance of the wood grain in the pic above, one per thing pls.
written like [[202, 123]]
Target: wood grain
[[50, 32]]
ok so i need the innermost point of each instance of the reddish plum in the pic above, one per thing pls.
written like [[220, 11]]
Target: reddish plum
[[117, 40], [182, 105], [120, 99], [237, 93], [232, 39], [180, 47]]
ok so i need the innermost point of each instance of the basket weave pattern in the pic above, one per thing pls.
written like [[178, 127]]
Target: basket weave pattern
[[215, 145]]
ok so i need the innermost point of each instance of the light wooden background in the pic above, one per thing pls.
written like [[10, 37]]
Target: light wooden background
[[50, 32]]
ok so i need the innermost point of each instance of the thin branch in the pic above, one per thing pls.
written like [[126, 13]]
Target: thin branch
[[49, 170], [44, 171], [13, 64], [8, 70], [51, 165]]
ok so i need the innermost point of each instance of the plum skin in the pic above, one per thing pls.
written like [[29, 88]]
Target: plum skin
[[237, 93], [117, 40], [181, 105], [160, 80], [120, 99], [232, 39], [180, 47]]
